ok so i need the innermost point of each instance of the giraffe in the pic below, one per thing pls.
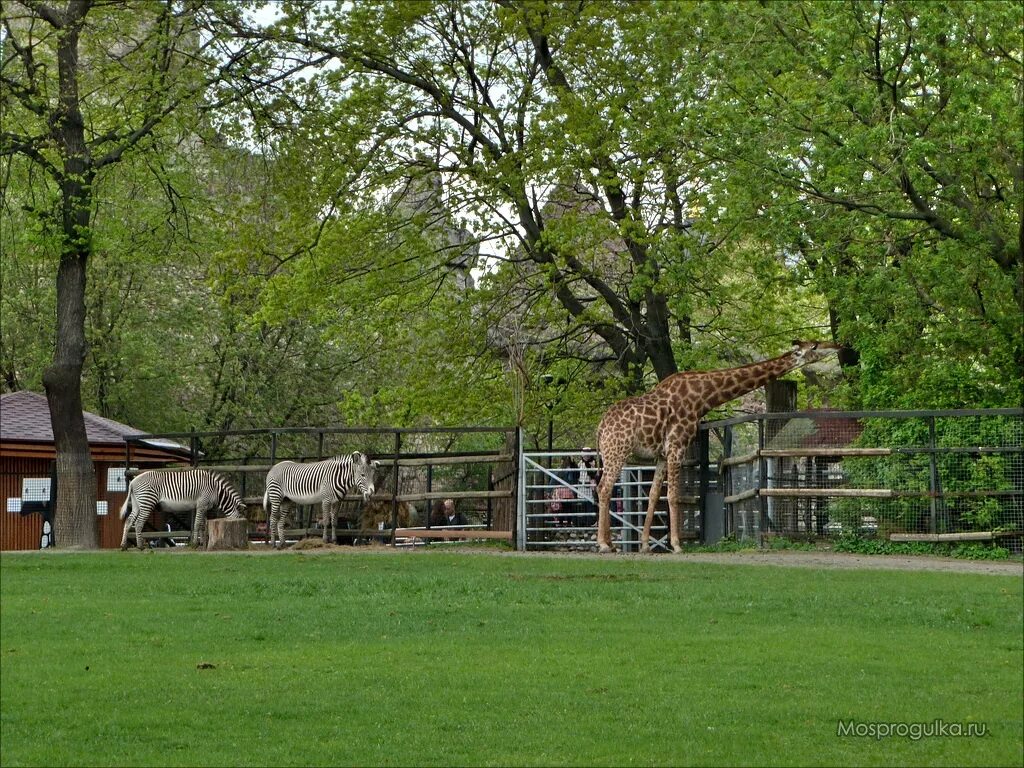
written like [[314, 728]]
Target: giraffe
[[661, 423]]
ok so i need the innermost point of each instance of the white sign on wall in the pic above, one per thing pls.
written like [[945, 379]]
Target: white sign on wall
[[14, 505], [115, 480], [35, 489], [101, 507]]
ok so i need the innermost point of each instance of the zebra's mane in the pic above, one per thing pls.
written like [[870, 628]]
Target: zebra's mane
[[351, 458]]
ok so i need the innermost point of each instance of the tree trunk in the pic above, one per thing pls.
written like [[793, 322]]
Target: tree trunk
[[227, 533], [75, 514]]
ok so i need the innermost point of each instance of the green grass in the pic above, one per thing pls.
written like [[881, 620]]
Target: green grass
[[454, 658]]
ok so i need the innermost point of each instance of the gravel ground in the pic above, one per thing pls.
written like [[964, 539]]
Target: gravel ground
[[800, 559], [817, 559]]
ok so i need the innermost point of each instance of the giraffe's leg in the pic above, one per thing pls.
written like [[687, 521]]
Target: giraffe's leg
[[674, 467], [652, 503], [610, 473]]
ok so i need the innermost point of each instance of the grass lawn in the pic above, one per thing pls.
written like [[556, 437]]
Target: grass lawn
[[452, 658]]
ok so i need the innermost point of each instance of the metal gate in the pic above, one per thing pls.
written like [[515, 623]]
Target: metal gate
[[557, 505]]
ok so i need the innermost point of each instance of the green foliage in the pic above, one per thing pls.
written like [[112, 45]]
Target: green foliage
[[964, 550], [634, 188], [858, 137], [434, 658]]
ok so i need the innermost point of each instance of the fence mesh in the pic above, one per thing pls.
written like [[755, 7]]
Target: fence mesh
[[874, 474]]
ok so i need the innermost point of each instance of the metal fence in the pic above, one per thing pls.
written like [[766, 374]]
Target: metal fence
[[474, 466], [924, 475], [903, 475], [558, 504]]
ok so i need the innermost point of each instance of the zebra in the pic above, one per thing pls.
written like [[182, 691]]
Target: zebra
[[321, 482], [181, 490]]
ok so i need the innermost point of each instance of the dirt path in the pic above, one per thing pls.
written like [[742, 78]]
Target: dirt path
[[799, 559], [777, 558], [818, 559]]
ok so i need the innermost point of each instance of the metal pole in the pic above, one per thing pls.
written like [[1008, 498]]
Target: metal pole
[[490, 487], [430, 488], [933, 474], [273, 457], [762, 479], [394, 495], [519, 493], [704, 468]]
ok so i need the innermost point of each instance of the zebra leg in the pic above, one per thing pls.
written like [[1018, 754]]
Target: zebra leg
[[282, 514], [128, 525], [140, 517], [328, 509], [276, 541], [199, 528]]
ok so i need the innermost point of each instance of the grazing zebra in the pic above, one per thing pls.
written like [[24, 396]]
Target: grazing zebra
[[181, 490], [321, 482]]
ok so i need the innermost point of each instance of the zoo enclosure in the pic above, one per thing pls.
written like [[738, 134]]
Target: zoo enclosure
[[903, 475], [475, 466]]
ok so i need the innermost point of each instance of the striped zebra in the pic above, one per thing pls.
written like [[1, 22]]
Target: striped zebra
[[321, 482], [182, 490]]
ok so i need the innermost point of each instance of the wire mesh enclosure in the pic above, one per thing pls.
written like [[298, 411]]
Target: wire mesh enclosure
[[924, 475]]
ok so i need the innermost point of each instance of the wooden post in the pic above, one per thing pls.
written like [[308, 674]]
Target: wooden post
[[227, 533]]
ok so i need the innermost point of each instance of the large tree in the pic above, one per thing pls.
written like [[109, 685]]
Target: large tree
[[86, 84], [881, 144], [513, 103]]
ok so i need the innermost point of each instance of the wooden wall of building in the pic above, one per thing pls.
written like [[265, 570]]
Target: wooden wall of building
[[19, 531]]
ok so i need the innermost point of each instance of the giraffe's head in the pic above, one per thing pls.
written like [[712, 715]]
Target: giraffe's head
[[363, 471], [804, 352]]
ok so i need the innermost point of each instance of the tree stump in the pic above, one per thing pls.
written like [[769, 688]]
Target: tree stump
[[227, 533]]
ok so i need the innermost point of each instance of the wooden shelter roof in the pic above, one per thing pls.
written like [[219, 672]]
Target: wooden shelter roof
[[25, 430]]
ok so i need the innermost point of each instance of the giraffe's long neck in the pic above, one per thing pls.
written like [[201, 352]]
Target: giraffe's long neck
[[739, 381]]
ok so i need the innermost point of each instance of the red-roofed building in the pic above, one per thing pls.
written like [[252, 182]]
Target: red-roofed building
[[27, 454]]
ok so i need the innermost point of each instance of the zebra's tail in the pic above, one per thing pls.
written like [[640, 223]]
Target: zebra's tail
[[126, 508], [266, 504]]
